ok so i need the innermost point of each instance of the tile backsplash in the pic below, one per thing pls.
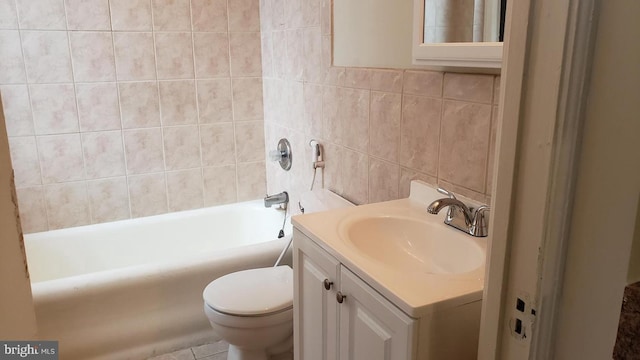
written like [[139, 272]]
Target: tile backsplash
[[381, 128], [125, 108]]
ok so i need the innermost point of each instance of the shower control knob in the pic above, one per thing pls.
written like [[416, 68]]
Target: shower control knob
[[327, 284], [340, 297]]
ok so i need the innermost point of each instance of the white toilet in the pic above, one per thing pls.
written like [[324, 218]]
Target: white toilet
[[253, 309]]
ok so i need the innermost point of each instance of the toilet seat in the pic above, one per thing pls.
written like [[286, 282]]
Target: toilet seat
[[251, 293]]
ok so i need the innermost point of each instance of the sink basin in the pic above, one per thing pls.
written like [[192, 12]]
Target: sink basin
[[408, 244]]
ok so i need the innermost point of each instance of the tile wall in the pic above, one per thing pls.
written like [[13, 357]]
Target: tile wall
[[125, 108], [380, 128]]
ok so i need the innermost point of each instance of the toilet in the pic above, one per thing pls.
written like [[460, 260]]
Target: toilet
[[253, 309]]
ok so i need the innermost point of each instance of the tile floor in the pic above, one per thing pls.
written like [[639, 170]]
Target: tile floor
[[213, 351]]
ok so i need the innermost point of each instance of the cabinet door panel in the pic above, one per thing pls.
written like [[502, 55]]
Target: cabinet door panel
[[371, 328]]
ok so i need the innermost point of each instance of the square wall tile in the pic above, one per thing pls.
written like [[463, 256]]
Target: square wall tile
[[311, 11], [312, 110], [468, 87], [211, 55], [214, 100], [140, 104], [54, 109], [148, 194], [11, 60], [312, 59], [143, 150], [181, 147], [492, 149], [24, 158], [178, 102], [384, 179], [46, 56], [250, 141], [386, 80], [244, 15], [33, 215], [355, 172], [331, 116], [174, 55], [8, 14], [171, 15], [354, 105], [67, 205], [209, 15], [134, 56], [385, 125], [464, 144], [425, 83], [98, 107], [17, 110], [252, 181], [109, 199], [496, 91], [103, 154], [88, 14], [357, 78], [247, 99], [185, 189], [408, 175], [217, 142], [131, 15], [245, 54], [92, 55], [420, 133], [41, 14], [295, 56], [60, 158], [219, 185]]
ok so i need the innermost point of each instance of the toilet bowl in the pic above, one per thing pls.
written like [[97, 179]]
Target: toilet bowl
[[253, 311]]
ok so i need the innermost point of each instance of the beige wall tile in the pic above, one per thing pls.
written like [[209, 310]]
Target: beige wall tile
[[244, 15], [279, 47], [426, 83], [312, 59], [386, 80], [178, 102], [174, 55], [41, 14], [134, 56], [492, 149], [313, 110], [17, 110], [247, 98], [219, 185], [469, 87], [252, 183], [67, 205], [211, 55], [386, 113], [480, 197], [420, 133], [408, 175], [46, 56], [11, 60], [384, 180], [148, 194], [293, 13], [8, 15], [217, 142], [131, 15], [325, 16], [140, 104], [267, 55], [92, 55], [295, 54], [311, 12], [250, 141], [295, 106], [103, 154], [464, 144], [214, 100], [54, 109], [88, 14], [354, 105], [98, 107], [331, 116], [355, 173], [277, 9], [244, 53], [185, 189], [143, 150], [24, 158], [33, 215], [496, 91], [181, 147], [209, 15], [357, 78], [108, 199], [171, 15], [60, 158]]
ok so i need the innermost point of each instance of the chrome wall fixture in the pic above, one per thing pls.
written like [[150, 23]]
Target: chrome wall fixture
[[283, 154]]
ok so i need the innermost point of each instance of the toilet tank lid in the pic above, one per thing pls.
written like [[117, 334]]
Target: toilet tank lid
[[251, 292], [322, 200]]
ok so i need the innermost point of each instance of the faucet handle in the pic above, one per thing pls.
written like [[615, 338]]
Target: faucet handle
[[446, 193]]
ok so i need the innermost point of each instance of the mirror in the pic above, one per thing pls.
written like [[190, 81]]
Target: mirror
[[452, 21]]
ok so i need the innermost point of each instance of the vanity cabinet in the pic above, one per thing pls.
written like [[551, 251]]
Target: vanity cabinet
[[339, 316]]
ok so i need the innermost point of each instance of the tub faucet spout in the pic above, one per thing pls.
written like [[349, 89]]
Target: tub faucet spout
[[280, 198]]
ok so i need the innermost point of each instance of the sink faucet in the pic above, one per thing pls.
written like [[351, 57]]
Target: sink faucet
[[280, 198], [472, 221]]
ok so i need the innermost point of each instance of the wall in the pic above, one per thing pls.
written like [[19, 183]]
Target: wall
[[128, 108], [380, 128]]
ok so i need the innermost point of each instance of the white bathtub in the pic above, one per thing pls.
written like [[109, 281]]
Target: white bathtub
[[131, 289]]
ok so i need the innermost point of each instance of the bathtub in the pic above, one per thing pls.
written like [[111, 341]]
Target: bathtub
[[133, 289]]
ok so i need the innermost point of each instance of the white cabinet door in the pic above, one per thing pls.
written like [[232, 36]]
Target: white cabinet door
[[315, 307], [371, 328]]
